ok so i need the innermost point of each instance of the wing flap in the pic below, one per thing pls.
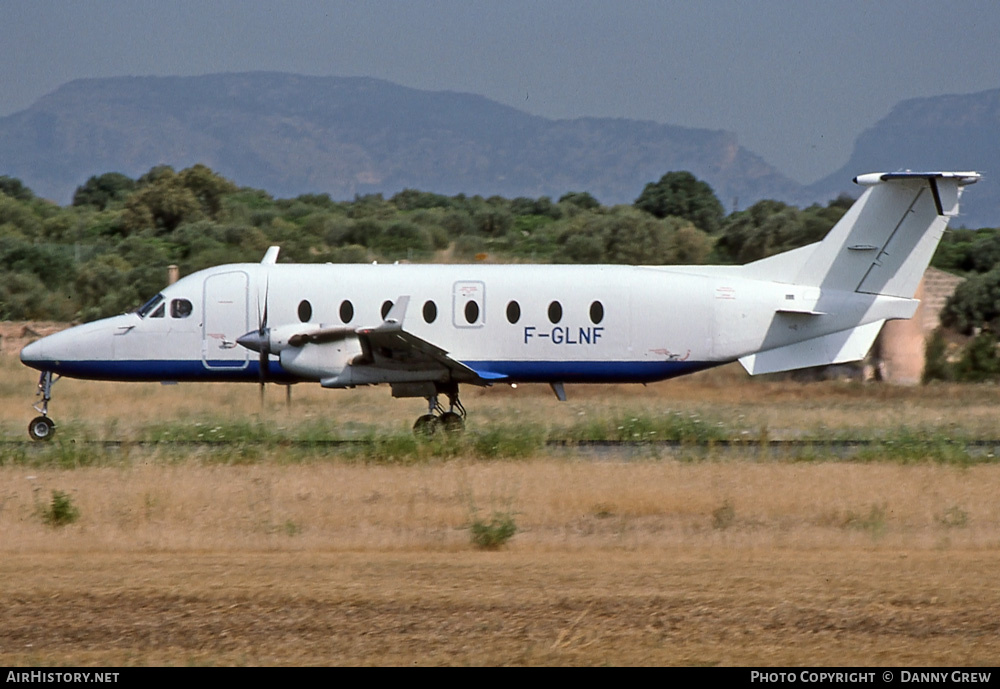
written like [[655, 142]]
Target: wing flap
[[392, 354]]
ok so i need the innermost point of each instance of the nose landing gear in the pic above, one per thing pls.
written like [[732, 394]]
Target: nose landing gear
[[42, 427]]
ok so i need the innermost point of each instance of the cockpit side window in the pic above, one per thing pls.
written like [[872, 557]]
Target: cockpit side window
[[159, 313], [180, 308], [149, 306]]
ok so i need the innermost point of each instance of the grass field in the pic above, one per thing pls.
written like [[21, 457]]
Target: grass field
[[258, 550]]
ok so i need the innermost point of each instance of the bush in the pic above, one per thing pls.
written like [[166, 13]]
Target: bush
[[980, 361], [493, 534], [61, 510], [723, 516], [936, 365]]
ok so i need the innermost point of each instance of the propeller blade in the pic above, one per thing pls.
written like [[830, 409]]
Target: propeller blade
[[264, 362]]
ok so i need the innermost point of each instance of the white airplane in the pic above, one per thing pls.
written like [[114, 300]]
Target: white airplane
[[427, 329]]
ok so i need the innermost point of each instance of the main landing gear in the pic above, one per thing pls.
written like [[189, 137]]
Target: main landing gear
[[436, 418], [42, 427]]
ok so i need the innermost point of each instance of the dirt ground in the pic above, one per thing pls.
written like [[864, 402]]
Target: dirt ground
[[700, 607], [651, 562]]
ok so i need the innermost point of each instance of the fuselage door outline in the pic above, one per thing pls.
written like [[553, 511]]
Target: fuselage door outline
[[468, 304]]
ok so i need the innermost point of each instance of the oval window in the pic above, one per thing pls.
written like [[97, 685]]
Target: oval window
[[386, 308], [430, 311], [555, 312], [305, 311], [596, 312], [471, 311], [180, 308], [513, 312], [346, 311]]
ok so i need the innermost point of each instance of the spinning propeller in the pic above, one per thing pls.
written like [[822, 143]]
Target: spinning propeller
[[259, 341]]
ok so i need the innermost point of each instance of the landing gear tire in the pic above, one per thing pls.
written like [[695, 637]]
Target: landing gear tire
[[41, 428], [426, 426], [452, 422]]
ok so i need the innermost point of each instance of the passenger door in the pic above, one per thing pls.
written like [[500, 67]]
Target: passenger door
[[226, 317]]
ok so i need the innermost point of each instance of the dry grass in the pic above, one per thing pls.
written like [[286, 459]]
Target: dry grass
[[183, 560], [726, 396]]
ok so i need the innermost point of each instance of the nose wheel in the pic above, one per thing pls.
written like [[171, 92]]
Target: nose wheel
[[42, 427]]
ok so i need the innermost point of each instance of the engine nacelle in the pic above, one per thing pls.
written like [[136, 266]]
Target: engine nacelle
[[318, 361]]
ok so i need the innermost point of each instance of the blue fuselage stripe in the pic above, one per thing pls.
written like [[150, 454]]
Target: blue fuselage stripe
[[195, 370], [589, 371], [156, 370]]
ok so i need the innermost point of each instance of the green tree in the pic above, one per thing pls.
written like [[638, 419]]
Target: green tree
[[104, 287], [101, 190], [402, 237], [411, 199], [163, 202], [581, 200], [980, 361], [492, 221], [208, 187], [936, 365], [974, 304], [23, 297], [14, 188], [682, 195], [626, 235], [764, 229]]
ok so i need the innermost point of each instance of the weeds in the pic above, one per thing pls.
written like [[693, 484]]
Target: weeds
[[724, 516], [907, 446], [668, 426], [492, 534], [874, 523], [953, 518], [60, 510], [505, 442]]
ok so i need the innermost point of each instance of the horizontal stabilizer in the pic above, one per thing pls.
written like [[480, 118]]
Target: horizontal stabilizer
[[836, 348]]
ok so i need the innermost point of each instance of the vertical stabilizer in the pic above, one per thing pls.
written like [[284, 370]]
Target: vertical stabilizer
[[884, 243]]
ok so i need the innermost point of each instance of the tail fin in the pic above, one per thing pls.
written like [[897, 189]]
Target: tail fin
[[884, 243]]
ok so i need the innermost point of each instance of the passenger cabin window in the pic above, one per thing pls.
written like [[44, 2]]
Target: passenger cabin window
[[596, 312], [513, 312], [346, 311], [305, 311], [555, 312], [471, 311], [430, 312], [386, 308], [180, 308]]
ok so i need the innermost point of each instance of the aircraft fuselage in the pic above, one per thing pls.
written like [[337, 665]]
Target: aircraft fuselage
[[587, 324]]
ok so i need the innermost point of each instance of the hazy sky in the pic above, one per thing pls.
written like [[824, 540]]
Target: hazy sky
[[796, 81]]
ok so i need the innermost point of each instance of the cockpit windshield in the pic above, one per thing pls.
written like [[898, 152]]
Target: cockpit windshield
[[149, 306]]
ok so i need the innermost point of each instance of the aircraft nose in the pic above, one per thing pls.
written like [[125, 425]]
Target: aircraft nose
[[83, 343], [33, 354]]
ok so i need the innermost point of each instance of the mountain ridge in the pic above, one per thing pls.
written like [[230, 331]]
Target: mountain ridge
[[291, 134]]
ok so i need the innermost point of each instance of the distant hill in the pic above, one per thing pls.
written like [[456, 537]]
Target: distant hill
[[292, 134], [344, 136], [955, 132]]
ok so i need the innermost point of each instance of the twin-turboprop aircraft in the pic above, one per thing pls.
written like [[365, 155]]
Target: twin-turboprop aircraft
[[425, 330]]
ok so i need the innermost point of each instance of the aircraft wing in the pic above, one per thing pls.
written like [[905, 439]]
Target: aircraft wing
[[391, 354]]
